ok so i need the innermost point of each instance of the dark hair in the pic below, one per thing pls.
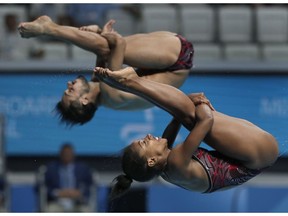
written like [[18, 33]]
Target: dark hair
[[121, 186], [76, 113], [135, 168], [66, 145]]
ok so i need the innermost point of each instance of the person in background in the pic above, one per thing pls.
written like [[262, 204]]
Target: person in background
[[68, 183], [88, 14], [91, 14]]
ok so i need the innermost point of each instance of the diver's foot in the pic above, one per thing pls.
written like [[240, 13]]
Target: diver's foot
[[119, 79], [124, 74], [35, 28]]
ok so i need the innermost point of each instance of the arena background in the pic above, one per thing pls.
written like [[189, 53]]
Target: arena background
[[240, 64]]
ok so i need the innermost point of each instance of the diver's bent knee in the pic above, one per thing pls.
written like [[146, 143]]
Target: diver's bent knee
[[272, 150], [265, 155]]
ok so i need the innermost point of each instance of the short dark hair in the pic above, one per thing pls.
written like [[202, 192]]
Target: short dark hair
[[75, 113]]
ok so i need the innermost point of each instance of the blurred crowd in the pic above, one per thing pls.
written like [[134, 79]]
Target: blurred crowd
[[13, 47], [233, 32]]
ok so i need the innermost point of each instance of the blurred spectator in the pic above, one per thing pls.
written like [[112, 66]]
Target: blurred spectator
[[89, 14], [134, 9], [68, 183], [12, 46]]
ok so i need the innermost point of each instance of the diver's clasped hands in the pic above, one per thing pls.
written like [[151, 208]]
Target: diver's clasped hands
[[198, 98]]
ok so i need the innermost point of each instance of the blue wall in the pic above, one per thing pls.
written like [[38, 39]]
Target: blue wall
[[32, 128]]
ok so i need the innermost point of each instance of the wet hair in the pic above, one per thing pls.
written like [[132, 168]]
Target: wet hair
[[75, 113], [135, 168]]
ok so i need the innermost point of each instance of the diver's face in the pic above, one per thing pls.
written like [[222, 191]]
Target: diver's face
[[150, 146], [75, 90]]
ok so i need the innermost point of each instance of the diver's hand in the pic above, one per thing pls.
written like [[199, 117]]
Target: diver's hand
[[198, 98]]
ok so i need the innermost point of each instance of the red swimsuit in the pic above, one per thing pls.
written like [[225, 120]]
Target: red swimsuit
[[223, 171], [185, 59]]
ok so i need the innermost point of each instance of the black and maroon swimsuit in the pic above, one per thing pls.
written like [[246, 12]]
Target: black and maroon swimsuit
[[222, 171], [185, 59]]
